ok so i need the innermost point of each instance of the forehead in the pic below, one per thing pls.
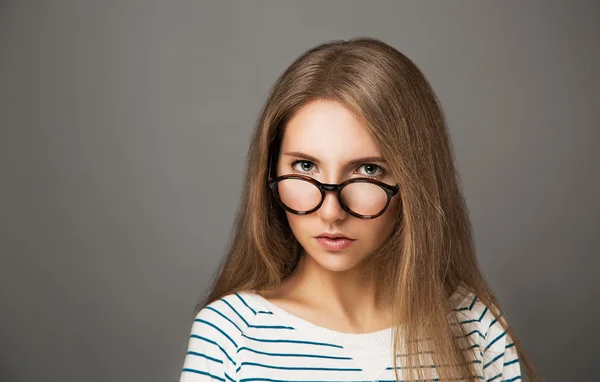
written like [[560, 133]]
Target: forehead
[[328, 130]]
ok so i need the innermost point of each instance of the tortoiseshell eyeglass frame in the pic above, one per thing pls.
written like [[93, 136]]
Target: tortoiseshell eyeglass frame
[[325, 187]]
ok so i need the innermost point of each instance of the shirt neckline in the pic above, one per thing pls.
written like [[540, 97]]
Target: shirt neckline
[[382, 337], [377, 338]]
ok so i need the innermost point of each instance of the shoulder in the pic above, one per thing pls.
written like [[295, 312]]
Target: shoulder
[[226, 319], [481, 322], [484, 326], [215, 337], [221, 323]]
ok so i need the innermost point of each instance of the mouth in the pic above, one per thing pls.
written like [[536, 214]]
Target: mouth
[[333, 236], [334, 242]]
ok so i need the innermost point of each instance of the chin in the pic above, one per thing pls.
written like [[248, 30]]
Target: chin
[[334, 261]]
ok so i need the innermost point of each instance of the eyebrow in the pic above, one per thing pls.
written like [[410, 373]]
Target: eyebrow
[[356, 161]]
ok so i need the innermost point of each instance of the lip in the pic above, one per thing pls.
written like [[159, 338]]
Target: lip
[[333, 235], [334, 245], [334, 241]]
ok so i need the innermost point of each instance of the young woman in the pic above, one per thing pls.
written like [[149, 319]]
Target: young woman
[[352, 257]]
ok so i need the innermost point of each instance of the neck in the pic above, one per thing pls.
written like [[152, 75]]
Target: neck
[[347, 295]]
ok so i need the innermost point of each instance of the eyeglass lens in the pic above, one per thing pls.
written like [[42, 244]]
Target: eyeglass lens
[[361, 198]]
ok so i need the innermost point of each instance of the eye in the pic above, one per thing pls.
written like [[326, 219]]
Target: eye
[[372, 170], [305, 166]]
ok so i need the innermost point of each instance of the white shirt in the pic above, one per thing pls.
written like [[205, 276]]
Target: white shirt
[[243, 337]]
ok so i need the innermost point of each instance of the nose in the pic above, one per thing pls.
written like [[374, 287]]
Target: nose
[[331, 210]]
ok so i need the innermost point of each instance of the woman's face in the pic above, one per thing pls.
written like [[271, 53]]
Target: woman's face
[[323, 140]]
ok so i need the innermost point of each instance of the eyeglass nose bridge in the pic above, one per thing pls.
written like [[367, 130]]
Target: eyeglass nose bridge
[[329, 187]]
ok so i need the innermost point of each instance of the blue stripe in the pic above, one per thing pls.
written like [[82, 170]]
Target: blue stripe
[[293, 342], [293, 354], [493, 360], [219, 329], [513, 379], [495, 321], [204, 356], [471, 333], [229, 378], [264, 312], [483, 314], [295, 368], [203, 373], [269, 380], [214, 343], [494, 341], [245, 303], [272, 327], [475, 320], [253, 326], [473, 303], [470, 307], [511, 362], [495, 377], [225, 317], [235, 311]]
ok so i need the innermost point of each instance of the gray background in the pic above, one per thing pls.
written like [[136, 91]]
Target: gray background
[[124, 130]]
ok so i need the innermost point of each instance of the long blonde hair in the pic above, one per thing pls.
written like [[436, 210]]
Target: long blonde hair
[[430, 253]]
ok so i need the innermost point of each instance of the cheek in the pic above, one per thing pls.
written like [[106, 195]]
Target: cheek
[[376, 231], [381, 227], [299, 224]]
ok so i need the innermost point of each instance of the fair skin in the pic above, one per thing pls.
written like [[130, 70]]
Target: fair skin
[[320, 141]]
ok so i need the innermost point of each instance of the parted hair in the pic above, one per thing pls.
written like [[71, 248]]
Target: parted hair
[[430, 252]]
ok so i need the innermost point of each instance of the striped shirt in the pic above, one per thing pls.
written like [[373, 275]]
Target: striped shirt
[[244, 337]]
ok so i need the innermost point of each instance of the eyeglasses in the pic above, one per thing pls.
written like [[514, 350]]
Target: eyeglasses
[[364, 198]]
